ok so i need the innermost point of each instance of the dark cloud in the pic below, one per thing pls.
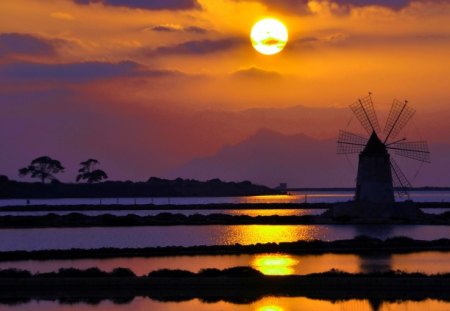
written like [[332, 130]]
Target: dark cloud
[[24, 44], [148, 4], [301, 6], [169, 28], [76, 72], [198, 47], [394, 4]]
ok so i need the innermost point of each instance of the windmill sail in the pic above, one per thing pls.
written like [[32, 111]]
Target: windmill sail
[[416, 150], [399, 116], [365, 113], [400, 182], [348, 143]]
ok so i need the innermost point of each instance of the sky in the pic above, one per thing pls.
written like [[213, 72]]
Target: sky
[[148, 86]]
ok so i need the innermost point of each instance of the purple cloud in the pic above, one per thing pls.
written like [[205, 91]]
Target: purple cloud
[[75, 72], [301, 6], [198, 47], [148, 4], [24, 44], [168, 28], [394, 4]]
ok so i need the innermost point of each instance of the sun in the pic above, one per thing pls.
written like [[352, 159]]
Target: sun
[[269, 36]]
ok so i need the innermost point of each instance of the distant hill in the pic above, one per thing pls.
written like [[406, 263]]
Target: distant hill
[[269, 158]]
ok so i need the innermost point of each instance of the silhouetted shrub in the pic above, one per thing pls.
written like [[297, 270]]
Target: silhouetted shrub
[[14, 273], [171, 273], [122, 273], [210, 272], [241, 271]]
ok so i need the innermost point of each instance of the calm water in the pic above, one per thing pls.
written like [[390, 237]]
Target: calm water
[[64, 238], [269, 264], [250, 212], [265, 304], [295, 197]]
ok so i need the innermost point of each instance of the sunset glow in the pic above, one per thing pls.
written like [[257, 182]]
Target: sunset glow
[[162, 84], [269, 36]]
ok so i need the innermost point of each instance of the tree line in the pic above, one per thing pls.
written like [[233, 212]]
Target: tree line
[[45, 168]]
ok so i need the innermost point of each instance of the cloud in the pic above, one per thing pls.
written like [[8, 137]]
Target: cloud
[[62, 15], [177, 28], [198, 47], [147, 4], [393, 4], [255, 72], [76, 72], [303, 6], [25, 44]]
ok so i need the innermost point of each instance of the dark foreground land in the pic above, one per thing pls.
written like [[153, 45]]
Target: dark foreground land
[[240, 284], [167, 219], [358, 245], [154, 187]]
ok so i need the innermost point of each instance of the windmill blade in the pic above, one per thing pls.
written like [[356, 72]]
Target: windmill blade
[[416, 150], [348, 142], [399, 180], [399, 115], [365, 113]]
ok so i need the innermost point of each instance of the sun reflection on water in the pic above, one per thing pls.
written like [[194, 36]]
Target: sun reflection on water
[[275, 264], [253, 234], [270, 308]]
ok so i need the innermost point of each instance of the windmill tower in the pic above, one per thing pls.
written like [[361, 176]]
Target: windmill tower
[[379, 176]]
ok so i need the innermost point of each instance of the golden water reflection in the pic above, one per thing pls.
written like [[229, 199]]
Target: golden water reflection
[[299, 197], [265, 304], [253, 234], [275, 264], [270, 308], [279, 212]]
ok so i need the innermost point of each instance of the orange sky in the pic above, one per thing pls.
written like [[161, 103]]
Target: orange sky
[[334, 53], [174, 59]]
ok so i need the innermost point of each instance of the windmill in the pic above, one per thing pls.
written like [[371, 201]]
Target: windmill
[[379, 175]]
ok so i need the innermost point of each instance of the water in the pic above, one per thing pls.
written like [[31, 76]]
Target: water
[[66, 238], [294, 197], [269, 264], [264, 304], [249, 212]]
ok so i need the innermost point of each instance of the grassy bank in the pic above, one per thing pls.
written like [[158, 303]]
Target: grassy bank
[[234, 284], [74, 220], [359, 245]]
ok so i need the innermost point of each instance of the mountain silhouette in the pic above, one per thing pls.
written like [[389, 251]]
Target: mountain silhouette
[[269, 157]]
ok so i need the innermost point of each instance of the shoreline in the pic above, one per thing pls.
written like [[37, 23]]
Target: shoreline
[[208, 206], [235, 286], [361, 245], [78, 220]]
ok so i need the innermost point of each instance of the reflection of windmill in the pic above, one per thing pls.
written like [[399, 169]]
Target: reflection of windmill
[[378, 173]]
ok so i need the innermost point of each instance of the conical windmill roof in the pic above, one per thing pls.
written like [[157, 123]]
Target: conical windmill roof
[[374, 146]]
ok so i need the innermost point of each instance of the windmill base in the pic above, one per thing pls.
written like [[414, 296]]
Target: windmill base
[[375, 212]]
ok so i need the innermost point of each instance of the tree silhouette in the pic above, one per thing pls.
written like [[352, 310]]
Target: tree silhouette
[[43, 168], [88, 173]]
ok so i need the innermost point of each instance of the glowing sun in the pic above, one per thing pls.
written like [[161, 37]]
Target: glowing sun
[[269, 36]]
